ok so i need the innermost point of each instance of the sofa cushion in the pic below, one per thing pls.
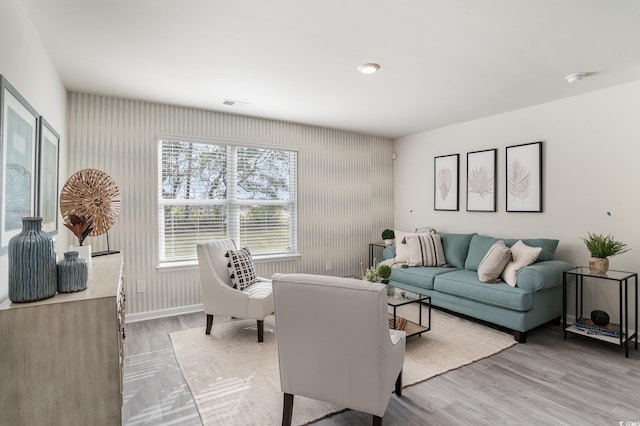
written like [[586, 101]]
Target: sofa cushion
[[425, 250], [494, 262], [547, 245], [480, 244], [456, 247], [419, 277], [478, 247], [523, 255], [465, 284]]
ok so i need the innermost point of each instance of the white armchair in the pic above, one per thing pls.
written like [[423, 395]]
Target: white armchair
[[334, 343], [220, 298]]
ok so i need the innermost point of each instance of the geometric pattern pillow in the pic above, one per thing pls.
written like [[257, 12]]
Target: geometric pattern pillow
[[425, 250], [241, 269]]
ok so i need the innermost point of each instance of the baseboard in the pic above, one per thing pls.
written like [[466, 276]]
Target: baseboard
[[163, 313]]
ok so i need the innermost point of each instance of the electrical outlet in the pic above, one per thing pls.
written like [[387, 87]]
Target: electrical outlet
[[141, 286], [328, 265]]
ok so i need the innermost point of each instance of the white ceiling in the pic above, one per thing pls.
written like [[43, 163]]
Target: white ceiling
[[443, 61]]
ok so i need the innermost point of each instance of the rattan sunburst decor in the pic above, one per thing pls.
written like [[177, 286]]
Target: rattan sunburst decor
[[91, 193]]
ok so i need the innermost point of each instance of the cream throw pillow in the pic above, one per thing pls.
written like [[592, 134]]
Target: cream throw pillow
[[494, 262], [425, 250], [402, 246], [523, 255]]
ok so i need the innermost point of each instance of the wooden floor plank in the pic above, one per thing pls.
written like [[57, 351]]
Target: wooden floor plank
[[547, 381]]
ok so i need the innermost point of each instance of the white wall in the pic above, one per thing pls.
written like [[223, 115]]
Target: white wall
[[591, 155], [27, 66], [344, 188]]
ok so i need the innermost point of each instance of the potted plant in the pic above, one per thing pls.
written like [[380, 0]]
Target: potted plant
[[601, 247], [384, 272], [388, 236], [81, 228]]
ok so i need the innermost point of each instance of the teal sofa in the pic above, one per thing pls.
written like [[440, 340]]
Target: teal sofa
[[536, 299]]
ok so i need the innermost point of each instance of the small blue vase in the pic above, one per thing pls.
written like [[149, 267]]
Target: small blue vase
[[32, 263], [72, 273]]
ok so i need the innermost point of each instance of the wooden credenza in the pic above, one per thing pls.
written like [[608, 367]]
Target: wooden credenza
[[62, 359]]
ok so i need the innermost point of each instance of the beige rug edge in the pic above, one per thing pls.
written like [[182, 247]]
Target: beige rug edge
[[236, 382]]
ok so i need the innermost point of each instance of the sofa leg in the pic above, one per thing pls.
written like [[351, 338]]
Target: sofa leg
[[377, 421], [399, 384], [520, 336], [260, 331], [287, 409], [209, 323]]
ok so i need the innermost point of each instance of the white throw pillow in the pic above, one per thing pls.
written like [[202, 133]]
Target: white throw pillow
[[494, 262], [241, 269], [402, 247], [425, 250], [523, 255]]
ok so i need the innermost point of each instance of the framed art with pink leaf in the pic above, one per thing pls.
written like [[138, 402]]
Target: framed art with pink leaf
[[481, 181], [524, 177], [446, 182]]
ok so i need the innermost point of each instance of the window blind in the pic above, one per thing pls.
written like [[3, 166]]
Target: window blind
[[211, 190]]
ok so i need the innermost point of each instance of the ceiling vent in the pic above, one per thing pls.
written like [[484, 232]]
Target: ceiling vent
[[233, 103]]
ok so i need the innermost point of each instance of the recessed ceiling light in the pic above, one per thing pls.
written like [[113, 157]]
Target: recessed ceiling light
[[368, 68], [575, 77]]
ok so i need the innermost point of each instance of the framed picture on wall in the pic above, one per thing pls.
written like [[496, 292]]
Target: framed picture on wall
[[446, 182], [48, 163], [481, 181], [18, 173], [524, 177]]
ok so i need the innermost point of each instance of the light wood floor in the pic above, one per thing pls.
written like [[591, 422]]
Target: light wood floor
[[547, 381]]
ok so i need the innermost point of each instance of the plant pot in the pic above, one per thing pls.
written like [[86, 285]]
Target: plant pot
[[598, 265], [389, 242], [84, 252]]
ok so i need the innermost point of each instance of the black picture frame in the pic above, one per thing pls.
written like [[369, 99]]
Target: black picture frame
[[18, 161], [481, 180], [524, 178], [446, 182], [48, 176]]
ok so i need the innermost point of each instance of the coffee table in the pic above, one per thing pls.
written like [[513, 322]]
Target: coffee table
[[397, 297]]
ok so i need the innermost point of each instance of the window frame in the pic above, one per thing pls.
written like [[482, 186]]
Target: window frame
[[229, 202]]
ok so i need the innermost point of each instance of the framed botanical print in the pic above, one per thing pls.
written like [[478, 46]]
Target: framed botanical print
[[524, 177], [48, 162], [18, 158], [481, 181], [446, 182]]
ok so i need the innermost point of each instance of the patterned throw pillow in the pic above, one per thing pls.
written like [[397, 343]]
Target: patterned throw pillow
[[241, 269], [425, 250]]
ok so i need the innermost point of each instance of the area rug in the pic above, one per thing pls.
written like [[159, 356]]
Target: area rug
[[236, 381]]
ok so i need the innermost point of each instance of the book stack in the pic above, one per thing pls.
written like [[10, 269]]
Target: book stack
[[588, 326]]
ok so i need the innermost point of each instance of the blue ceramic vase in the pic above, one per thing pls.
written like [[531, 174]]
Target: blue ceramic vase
[[32, 263], [72, 273]]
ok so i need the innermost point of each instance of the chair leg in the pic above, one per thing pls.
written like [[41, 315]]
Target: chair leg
[[377, 421], [287, 410], [209, 323], [399, 384], [260, 331]]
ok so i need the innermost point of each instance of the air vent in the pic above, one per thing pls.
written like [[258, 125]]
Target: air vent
[[233, 103]]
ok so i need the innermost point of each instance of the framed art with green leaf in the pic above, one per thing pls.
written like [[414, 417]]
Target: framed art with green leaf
[[524, 177], [481, 181], [18, 154]]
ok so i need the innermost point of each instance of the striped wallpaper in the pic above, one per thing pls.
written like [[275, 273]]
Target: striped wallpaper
[[345, 188]]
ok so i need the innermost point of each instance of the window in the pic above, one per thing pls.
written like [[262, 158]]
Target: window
[[213, 189]]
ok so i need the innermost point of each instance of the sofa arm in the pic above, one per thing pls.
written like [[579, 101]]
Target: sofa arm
[[389, 252], [542, 275]]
